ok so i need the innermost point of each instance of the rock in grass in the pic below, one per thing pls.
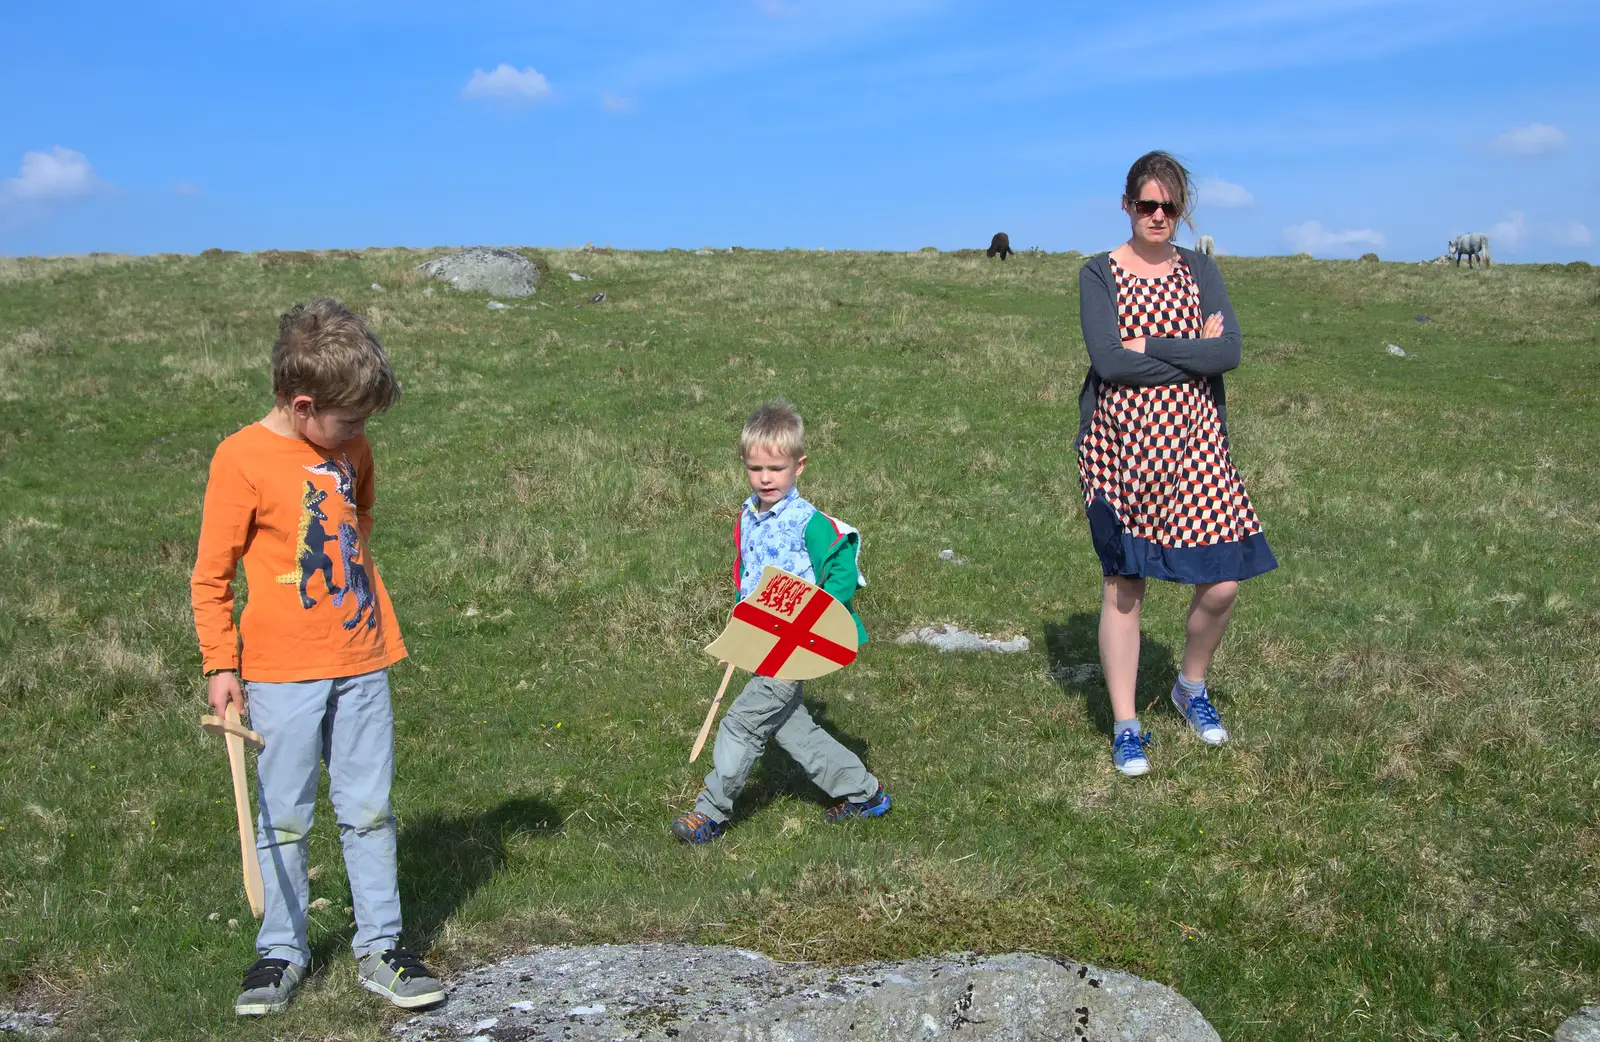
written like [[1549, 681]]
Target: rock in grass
[[1582, 1026], [22, 1024], [480, 269], [1397, 350], [654, 991], [946, 637], [950, 555]]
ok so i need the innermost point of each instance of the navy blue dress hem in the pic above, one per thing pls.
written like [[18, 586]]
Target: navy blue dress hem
[[1136, 558]]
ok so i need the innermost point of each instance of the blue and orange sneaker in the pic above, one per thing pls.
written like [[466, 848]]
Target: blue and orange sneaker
[[876, 807], [1127, 753], [694, 827], [1201, 714]]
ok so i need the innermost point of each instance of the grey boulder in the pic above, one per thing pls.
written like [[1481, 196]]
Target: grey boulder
[[482, 269], [700, 994], [1582, 1026]]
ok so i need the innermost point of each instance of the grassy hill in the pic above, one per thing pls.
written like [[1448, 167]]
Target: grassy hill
[[1401, 840]]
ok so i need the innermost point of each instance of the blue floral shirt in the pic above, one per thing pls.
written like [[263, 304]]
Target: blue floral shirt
[[776, 537]]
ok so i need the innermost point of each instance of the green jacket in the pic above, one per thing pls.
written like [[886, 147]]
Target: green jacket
[[832, 546]]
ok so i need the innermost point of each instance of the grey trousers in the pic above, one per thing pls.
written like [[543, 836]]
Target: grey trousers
[[769, 708], [347, 724]]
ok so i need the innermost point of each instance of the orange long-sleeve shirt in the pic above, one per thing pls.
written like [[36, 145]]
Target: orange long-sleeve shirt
[[299, 517]]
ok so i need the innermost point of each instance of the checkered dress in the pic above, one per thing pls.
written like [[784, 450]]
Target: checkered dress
[[1157, 456]]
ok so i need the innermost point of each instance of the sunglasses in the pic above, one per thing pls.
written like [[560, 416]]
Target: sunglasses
[[1148, 207]]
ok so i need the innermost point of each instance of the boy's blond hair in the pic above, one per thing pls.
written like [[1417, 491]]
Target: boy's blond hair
[[325, 351], [776, 426]]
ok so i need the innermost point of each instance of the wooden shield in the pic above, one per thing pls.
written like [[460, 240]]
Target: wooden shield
[[788, 629]]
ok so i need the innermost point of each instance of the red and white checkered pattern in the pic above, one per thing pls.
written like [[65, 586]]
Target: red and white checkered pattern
[[1156, 454]]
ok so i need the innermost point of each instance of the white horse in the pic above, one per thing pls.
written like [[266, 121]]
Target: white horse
[[1206, 245], [1473, 245]]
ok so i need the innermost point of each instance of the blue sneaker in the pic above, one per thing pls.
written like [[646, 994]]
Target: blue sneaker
[[694, 827], [1201, 714], [876, 807], [1127, 753]]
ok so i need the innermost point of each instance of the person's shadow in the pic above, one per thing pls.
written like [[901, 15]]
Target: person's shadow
[[1072, 650], [445, 859], [777, 774]]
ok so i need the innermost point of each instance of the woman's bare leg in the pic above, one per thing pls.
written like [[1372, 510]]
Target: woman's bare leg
[[1209, 612], [1121, 599]]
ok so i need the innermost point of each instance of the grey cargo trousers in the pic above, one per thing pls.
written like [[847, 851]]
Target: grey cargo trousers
[[769, 708]]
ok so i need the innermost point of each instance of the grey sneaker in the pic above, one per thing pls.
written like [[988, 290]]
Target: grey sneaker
[[267, 987], [400, 977]]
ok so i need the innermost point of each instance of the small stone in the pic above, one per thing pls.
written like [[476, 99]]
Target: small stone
[[575, 277], [1397, 351], [377, 288], [485, 1024], [1077, 673], [950, 555], [946, 637], [1422, 318], [495, 305]]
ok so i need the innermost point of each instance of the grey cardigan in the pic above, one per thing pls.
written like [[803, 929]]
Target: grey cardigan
[[1165, 360]]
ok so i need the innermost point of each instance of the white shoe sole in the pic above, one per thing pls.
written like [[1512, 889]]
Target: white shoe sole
[[1135, 769], [431, 998], [259, 1009]]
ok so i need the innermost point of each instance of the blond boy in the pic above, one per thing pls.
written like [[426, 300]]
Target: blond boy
[[776, 526]]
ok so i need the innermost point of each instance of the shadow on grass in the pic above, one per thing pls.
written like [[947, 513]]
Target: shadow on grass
[[777, 774], [1072, 650], [444, 860]]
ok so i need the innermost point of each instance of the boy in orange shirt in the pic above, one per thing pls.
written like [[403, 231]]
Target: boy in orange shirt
[[289, 495]]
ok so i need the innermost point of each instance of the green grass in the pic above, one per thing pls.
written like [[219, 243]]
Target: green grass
[[1400, 841]]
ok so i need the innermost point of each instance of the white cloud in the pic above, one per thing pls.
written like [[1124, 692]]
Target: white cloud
[[189, 188], [1226, 195], [616, 102], [1511, 232], [59, 176], [1573, 233], [507, 83], [1535, 139], [1312, 237]]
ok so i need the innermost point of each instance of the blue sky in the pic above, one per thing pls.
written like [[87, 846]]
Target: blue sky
[[1334, 126]]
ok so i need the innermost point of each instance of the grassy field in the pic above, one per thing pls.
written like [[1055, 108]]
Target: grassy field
[[1400, 842]]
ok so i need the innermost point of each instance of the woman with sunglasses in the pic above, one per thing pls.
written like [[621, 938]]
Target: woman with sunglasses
[[1163, 499]]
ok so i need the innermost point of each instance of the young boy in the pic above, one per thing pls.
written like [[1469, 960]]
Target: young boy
[[777, 527], [292, 496]]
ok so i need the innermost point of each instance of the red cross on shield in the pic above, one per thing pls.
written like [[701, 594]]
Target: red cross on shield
[[788, 629]]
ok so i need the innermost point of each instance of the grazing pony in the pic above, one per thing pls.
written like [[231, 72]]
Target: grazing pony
[[1001, 244], [1473, 244], [1206, 245]]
